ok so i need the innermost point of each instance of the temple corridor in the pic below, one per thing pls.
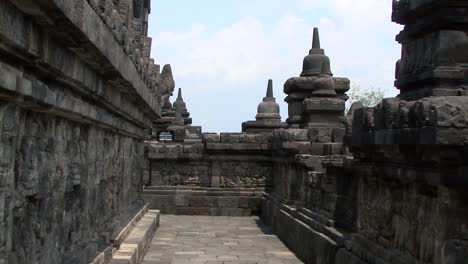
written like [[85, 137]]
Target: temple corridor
[[209, 239]]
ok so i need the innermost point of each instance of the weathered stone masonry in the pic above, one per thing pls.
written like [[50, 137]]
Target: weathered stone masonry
[[381, 185], [401, 197], [78, 94], [223, 175]]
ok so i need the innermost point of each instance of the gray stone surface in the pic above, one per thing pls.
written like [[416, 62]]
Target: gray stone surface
[[182, 200], [133, 248], [79, 93], [77, 97], [434, 57], [233, 160], [73, 184], [204, 239]]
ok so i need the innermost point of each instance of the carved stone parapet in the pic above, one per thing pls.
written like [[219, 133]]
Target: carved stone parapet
[[308, 85], [405, 11], [261, 126], [324, 105], [432, 120], [434, 35], [128, 22]]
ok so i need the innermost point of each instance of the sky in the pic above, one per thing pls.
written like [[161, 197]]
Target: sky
[[223, 52]]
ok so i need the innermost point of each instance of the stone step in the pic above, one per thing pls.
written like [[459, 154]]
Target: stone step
[[134, 246], [202, 193], [195, 188]]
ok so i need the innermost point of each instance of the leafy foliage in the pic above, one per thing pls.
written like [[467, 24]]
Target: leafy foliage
[[368, 97]]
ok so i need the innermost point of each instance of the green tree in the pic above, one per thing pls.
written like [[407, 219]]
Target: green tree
[[368, 97]]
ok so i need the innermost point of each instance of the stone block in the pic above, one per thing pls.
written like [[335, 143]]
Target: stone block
[[263, 138], [345, 257], [211, 137], [242, 148], [217, 211], [243, 202], [193, 210], [321, 134], [338, 134], [317, 149], [297, 147], [456, 250], [181, 201], [157, 201], [175, 148], [220, 211], [228, 202], [215, 181], [134, 247], [230, 138], [237, 212], [172, 210], [332, 148], [307, 243], [23, 86], [179, 133], [254, 203], [324, 105], [9, 77], [342, 85], [291, 134], [193, 148], [247, 138], [202, 201]]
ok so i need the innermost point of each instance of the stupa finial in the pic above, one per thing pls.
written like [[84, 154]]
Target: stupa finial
[[179, 95], [269, 93], [316, 39]]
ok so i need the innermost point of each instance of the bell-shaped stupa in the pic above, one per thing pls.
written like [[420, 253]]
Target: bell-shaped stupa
[[179, 102], [316, 63], [268, 109], [268, 114], [316, 99]]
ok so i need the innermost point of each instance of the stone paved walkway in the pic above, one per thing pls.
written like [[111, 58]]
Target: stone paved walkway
[[207, 239]]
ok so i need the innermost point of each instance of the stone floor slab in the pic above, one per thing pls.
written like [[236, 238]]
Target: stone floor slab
[[216, 239]]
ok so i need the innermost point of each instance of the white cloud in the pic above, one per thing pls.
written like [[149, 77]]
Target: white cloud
[[246, 50], [357, 36], [237, 54]]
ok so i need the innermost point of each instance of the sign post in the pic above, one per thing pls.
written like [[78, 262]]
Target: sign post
[[165, 136]]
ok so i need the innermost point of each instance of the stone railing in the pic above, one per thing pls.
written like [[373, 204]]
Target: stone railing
[[225, 174], [226, 160]]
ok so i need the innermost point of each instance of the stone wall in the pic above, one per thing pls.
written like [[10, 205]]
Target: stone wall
[[75, 107], [69, 187], [396, 193], [387, 203], [311, 198], [411, 197], [223, 175], [229, 160], [79, 93]]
